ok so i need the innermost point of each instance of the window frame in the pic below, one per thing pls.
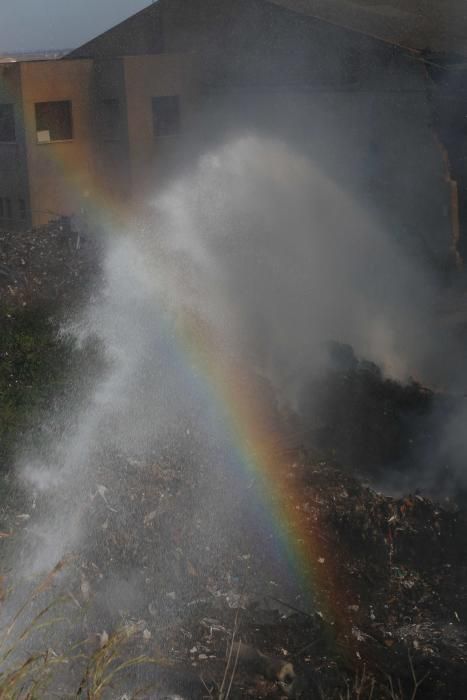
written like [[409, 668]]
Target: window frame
[[71, 123]]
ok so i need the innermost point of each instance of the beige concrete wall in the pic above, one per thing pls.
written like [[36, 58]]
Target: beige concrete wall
[[13, 170], [90, 173], [61, 173], [147, 77], [111, 152]]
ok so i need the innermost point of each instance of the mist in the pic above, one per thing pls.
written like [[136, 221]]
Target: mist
[[256, 243], [295, 261], [251, 242]]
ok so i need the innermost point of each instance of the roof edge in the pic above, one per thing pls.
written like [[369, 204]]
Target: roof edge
[[341, 25], [110, 29]]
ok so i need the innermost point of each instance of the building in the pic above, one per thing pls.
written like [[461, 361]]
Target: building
[[105, 123]]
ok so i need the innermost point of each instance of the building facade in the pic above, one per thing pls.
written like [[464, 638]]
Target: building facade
[[72, 131], [105, 122]]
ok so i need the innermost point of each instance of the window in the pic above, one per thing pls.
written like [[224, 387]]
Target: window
[[53, 121], [166, 115], [7, 123], [22, 208], [111, 120]]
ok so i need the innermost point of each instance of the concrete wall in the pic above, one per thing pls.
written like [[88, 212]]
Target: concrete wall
[[91, 173], [111, 156], [13, 163], [61, 173], [378, 147], [145, 78]]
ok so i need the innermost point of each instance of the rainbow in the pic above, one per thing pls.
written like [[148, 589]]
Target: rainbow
[[261, 449], [258, 444]]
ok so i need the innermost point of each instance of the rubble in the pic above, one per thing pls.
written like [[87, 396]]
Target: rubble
[[51, 264], [401, 564], [363, 420], [195, 594]]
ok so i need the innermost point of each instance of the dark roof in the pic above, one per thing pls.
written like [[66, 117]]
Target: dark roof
[[309, 8], [86, 49], [438, 25], [415, 24]]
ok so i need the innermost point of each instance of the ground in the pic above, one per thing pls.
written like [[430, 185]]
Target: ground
[[164, 611]]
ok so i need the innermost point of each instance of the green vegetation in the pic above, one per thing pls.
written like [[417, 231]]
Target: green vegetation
[[38, 368]]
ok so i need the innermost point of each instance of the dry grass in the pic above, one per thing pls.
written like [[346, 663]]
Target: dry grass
[[26, 674], [231, 665], [102, 669], [364, 686]]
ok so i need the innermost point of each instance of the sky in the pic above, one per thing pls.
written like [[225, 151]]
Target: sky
[[26, 25]]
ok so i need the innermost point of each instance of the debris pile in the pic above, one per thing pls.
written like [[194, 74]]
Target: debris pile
[[213, 611], [364, 420], [231, 619], [48, 264]]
